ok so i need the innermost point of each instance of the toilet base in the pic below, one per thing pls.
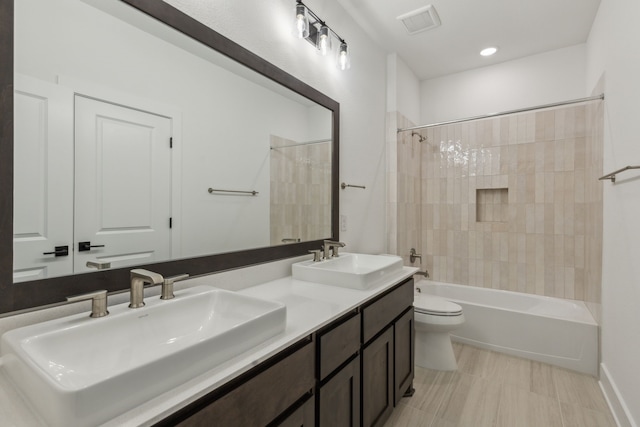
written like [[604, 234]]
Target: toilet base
[[434, 351]]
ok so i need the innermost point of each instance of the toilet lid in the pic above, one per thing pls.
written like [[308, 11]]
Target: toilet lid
[[428, 304]]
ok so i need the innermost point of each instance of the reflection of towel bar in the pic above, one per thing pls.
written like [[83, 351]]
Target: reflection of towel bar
[[612, 175], [215, 190], [343, 186]]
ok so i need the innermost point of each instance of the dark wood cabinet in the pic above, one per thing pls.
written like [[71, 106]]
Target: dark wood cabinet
[[339, 398], [337, 342], [260, 399], [381, 312], [377, 379], [404, 345], [303, 416], [351, 372]]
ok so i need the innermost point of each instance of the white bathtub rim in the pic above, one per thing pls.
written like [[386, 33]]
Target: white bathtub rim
[[588, 321]]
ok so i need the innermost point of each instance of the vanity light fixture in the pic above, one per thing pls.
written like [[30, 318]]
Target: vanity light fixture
[[343, 61], [301, 22], [308, 26], [488, 51], [324, 40]]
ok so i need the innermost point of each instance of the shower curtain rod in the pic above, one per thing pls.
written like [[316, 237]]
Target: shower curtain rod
[[504, 113]]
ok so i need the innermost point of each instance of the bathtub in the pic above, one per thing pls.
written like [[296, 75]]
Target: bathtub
[[551, 330]]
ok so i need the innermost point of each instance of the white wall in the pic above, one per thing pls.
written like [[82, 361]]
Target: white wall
[[264, 27], [403, 89], [540, 79], [612, 50]]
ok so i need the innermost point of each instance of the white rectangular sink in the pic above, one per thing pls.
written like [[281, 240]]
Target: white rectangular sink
[[355, 271], [83, 371]]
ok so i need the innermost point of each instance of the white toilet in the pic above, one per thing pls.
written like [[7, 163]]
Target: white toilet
[[435, 317]]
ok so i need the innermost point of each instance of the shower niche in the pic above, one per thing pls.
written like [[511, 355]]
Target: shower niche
[[492, 205]]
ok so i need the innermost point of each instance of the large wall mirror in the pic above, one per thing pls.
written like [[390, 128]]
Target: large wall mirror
[[135, 136]]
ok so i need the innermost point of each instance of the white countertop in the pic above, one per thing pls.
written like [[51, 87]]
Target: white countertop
[[309, 307]]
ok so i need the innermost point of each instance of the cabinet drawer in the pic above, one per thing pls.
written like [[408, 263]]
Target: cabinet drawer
[[260, 399], [377, 315], [338, 344]]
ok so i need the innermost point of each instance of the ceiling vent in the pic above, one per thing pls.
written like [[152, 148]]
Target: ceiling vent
[[419, 20]]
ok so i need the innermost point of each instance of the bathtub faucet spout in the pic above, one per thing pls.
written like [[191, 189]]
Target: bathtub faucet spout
[[422, 273]]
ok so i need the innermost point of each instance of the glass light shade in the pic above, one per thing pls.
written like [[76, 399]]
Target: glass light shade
[[301, 22], [324, 40], [343, 60]]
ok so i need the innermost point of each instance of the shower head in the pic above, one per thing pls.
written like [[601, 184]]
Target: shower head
[[420, 137]]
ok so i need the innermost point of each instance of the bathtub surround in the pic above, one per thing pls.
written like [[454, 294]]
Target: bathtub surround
[[509, 203], [404, 207]]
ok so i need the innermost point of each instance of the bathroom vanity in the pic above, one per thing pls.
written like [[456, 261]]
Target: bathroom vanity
[[352, 371], [345, 357]]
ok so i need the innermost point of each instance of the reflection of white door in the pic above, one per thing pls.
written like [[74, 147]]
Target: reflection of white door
[[122, 185], [43, 179]]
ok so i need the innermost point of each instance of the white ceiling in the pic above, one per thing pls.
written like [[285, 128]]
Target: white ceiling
[[518, 27]]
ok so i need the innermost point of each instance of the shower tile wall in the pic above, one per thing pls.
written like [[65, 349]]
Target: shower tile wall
[[404, 188], [545, 164], [300, 191]]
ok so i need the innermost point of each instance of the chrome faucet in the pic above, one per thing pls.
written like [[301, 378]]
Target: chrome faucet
[[331, 248], [138, 279]]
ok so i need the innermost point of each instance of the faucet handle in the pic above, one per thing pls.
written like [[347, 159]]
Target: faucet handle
[[413, 255], [317, 254], [98, 302], [167, 285]]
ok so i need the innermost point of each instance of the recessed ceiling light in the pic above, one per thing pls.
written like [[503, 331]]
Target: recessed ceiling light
[[488, 51]]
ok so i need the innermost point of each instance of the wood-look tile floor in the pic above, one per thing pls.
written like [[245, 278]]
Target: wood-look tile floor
[[497, 390]]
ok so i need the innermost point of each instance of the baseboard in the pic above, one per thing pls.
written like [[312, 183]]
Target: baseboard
[[615, 401]]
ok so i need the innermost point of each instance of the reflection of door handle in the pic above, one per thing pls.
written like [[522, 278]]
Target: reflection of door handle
[[59, 251], [86, 246]]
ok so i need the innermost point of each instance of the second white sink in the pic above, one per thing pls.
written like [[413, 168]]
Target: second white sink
[[349, 270], [82, 371]]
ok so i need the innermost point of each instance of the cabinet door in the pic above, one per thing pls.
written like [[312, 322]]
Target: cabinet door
[[377, 380], [304, 416], [339, 398], [404, 352]]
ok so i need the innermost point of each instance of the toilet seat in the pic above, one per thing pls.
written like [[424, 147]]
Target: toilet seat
[[435, 306]]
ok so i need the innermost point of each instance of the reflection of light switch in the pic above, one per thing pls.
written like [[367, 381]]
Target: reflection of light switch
[[343, 223]]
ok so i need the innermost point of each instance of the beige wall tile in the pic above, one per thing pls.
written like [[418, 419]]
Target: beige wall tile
[[507, 202]]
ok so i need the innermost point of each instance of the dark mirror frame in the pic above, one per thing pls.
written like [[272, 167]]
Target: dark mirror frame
[[28, 295]]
